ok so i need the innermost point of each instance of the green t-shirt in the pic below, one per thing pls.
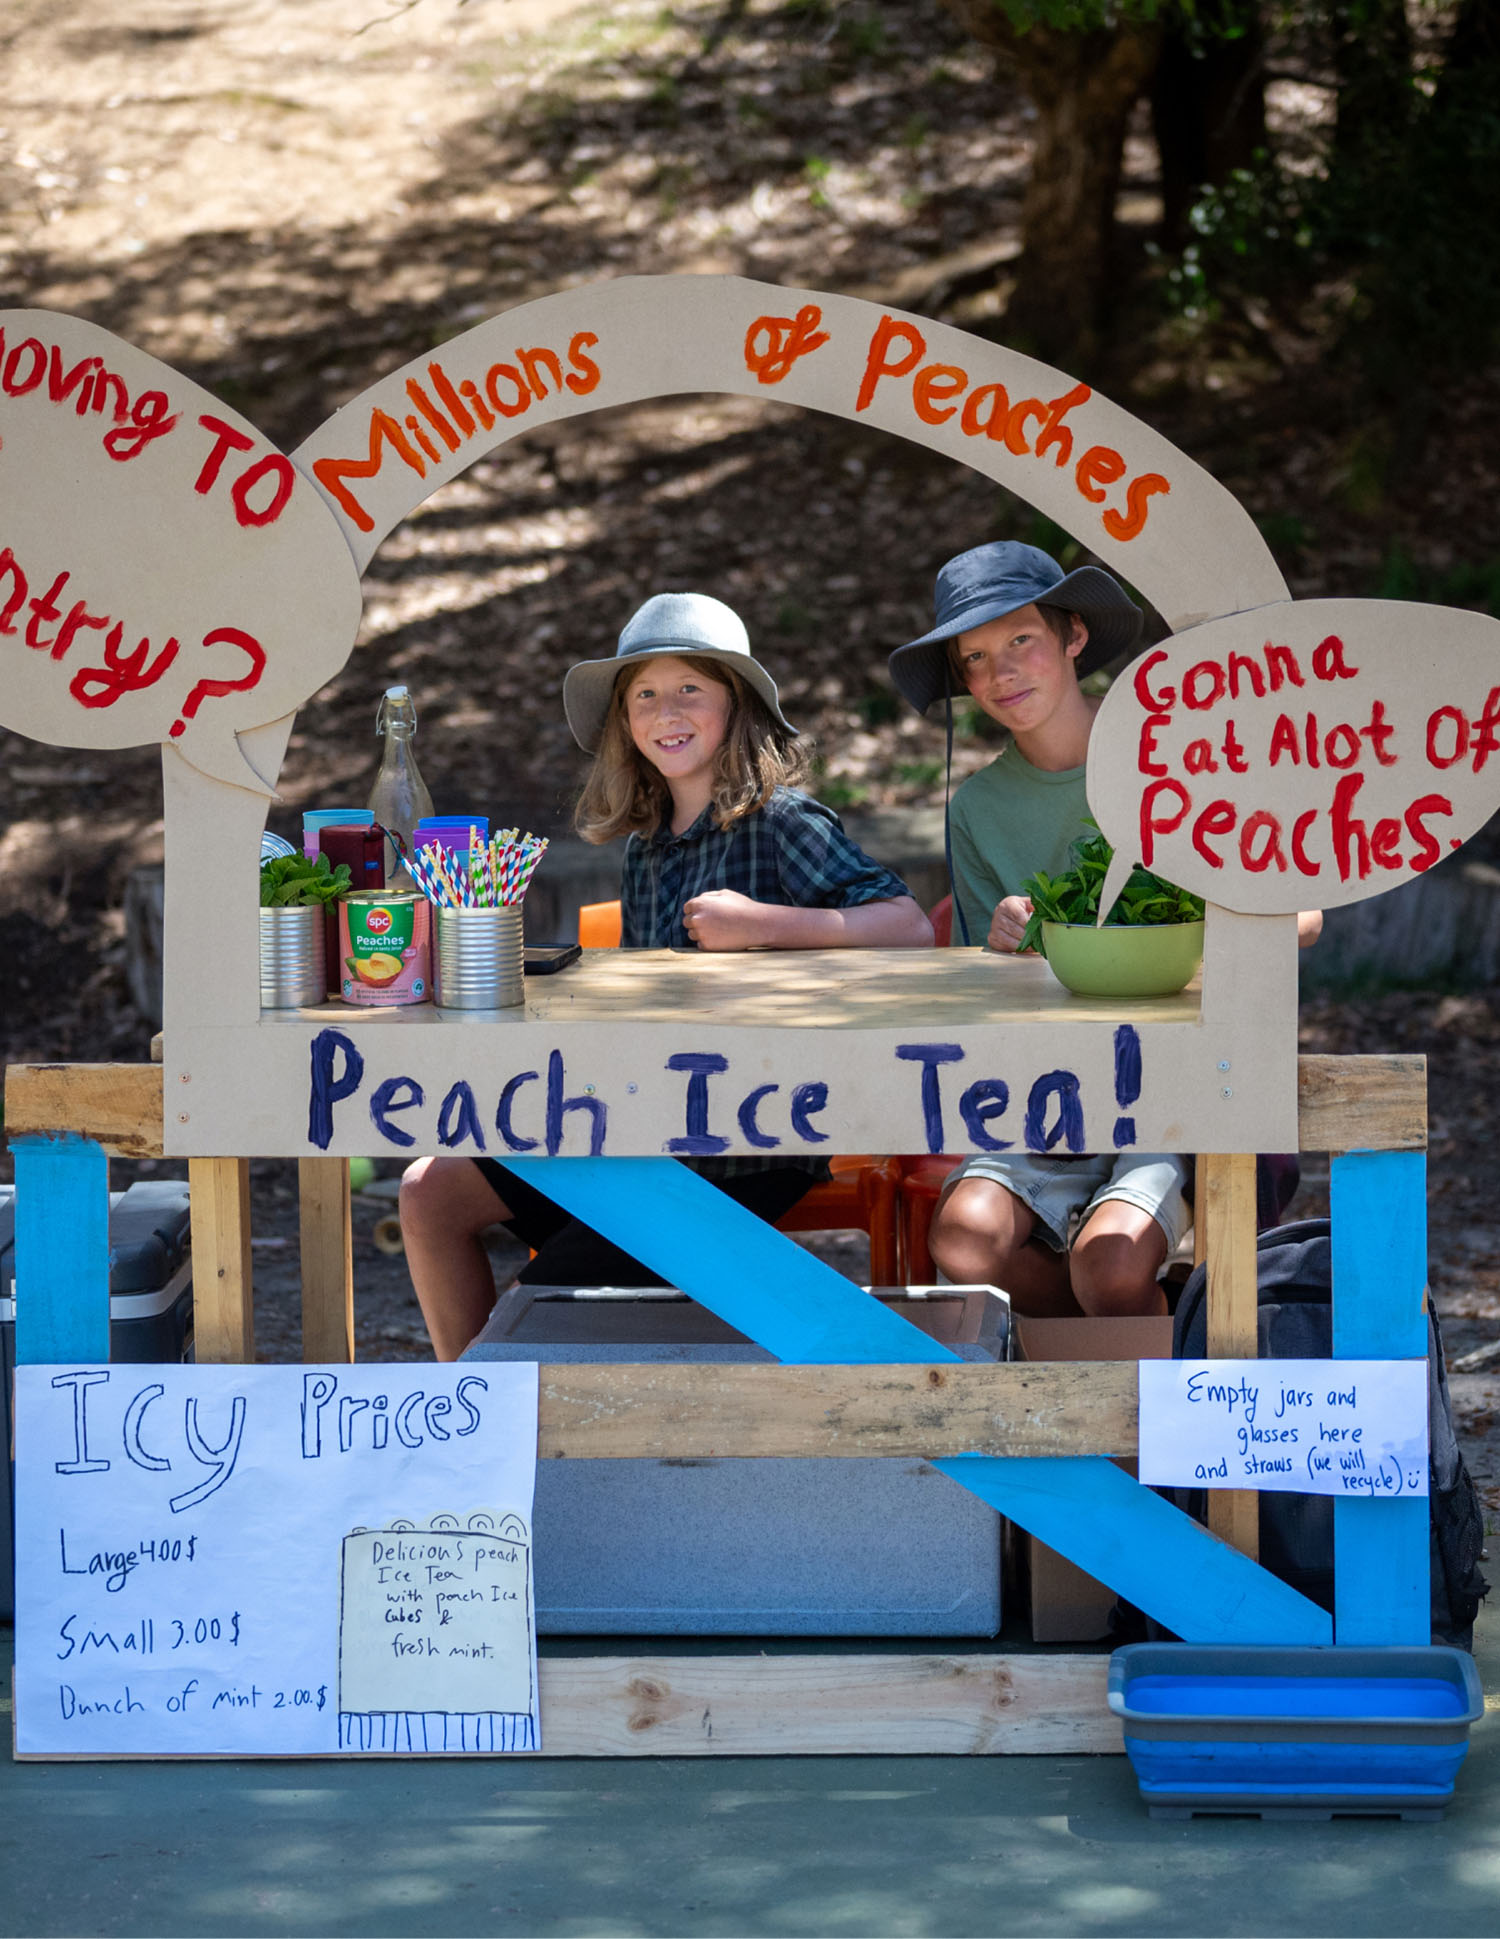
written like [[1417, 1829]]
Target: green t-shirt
[[1009, 820]]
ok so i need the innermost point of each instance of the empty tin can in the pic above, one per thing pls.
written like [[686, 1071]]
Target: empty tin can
[[291, 958], [481, 957]]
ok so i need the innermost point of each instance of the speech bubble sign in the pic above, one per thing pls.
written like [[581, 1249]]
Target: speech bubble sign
[[1303, 755], [166, 574]]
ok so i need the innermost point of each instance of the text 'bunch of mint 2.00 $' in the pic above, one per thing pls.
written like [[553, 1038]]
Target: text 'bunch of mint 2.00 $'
[[1073, 896]]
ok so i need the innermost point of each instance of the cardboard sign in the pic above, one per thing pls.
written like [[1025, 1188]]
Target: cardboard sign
[[1352, 1428], [1118, 485], [274, 1561], [166, 574], [1301, 756]]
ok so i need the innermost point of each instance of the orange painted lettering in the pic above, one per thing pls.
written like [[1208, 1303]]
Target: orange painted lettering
[[985, 410], [1099, 466], [889, 331], [1054, 431], [331, 472], [1140, 491], [934, 382], [584, 376]]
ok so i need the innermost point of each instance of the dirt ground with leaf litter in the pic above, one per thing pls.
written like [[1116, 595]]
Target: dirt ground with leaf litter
[[288, 198]]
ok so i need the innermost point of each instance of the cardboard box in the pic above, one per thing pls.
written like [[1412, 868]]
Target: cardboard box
[[1068, 1606]]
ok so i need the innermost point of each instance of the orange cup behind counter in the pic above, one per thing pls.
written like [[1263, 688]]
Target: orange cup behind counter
[[385, 947]]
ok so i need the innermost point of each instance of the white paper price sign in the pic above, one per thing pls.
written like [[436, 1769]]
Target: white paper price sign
[[275, 1561], [1322, 1427]]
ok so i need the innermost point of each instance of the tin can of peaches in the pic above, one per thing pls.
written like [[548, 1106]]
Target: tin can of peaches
[[385, 947]]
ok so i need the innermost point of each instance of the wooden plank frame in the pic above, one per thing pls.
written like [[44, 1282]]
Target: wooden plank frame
[[1034, 1418]]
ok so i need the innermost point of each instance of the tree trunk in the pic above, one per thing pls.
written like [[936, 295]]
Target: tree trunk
[[1083, 85], [1208, 111], [1372, 56]]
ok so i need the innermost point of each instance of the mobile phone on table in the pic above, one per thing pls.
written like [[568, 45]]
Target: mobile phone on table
[[546, 959]]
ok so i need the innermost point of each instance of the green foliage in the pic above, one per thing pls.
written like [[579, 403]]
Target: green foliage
[[294, 882], [1081, 16], [1074, 895], [1393, 227], [1468, 583]]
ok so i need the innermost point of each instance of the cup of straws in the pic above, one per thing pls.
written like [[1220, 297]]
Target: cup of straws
[[480, 957]]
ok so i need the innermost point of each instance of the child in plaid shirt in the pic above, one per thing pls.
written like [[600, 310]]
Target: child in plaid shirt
[[695, 763]]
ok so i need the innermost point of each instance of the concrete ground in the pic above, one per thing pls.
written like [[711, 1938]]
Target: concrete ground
[[798, 1846]]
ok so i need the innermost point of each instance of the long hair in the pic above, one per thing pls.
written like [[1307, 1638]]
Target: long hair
[[625, 795]]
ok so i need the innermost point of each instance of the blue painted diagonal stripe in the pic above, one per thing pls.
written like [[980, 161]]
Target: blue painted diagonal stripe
[[806, 1314], [744, 1270], [1381, 1549], [62, 1250]]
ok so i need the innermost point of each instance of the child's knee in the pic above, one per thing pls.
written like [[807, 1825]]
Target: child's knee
[[446, 1197], [977, 1221], [1114, 1273]]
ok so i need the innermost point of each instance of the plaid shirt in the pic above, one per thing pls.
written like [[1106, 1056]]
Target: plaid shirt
[[792, 852]]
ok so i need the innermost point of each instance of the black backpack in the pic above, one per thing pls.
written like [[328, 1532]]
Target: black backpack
[[1295, 1276]]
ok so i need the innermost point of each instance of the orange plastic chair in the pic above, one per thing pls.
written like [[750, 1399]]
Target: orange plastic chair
[[599, 925], [941, 918], [861, 1196]]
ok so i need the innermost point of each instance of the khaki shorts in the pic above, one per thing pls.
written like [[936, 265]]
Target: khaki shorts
[[1062, 1192]]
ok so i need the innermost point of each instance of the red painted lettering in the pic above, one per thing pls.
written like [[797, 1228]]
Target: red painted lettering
[[273, 466], [226, 439], [1151, 827], [1146, 760], [1257, 861], [1218, 818], [1198, 758], [1209, 675], [1351, 842], [1328, 660], [1299, 836], [1428, 849], [1159, 703], [1284, 741]]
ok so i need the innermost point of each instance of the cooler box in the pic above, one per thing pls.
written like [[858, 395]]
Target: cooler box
[[778, 1547], [150, 1306]]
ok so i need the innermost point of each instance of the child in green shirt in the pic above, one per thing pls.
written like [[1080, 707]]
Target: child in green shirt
[[1061, 1235]]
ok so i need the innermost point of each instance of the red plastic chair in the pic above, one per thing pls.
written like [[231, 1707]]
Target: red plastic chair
[[923, 1179], [861, 1196]]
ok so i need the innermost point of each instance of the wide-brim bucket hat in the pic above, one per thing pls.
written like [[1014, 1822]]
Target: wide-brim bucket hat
[[992, 580], [678, 623]]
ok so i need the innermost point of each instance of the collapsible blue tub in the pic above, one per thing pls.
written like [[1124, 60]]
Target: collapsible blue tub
[[1295, 1732]]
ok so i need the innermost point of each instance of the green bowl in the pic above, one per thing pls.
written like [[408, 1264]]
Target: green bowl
[[1128, 960]]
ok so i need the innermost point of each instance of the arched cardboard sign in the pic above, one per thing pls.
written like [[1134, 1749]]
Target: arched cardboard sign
[[168, 575]]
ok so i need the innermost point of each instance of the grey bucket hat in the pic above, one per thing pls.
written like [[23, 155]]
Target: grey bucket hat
[[990, 581], [669, 622]]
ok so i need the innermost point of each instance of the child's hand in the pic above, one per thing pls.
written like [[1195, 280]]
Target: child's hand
[[1008, 924], [725, 919]]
